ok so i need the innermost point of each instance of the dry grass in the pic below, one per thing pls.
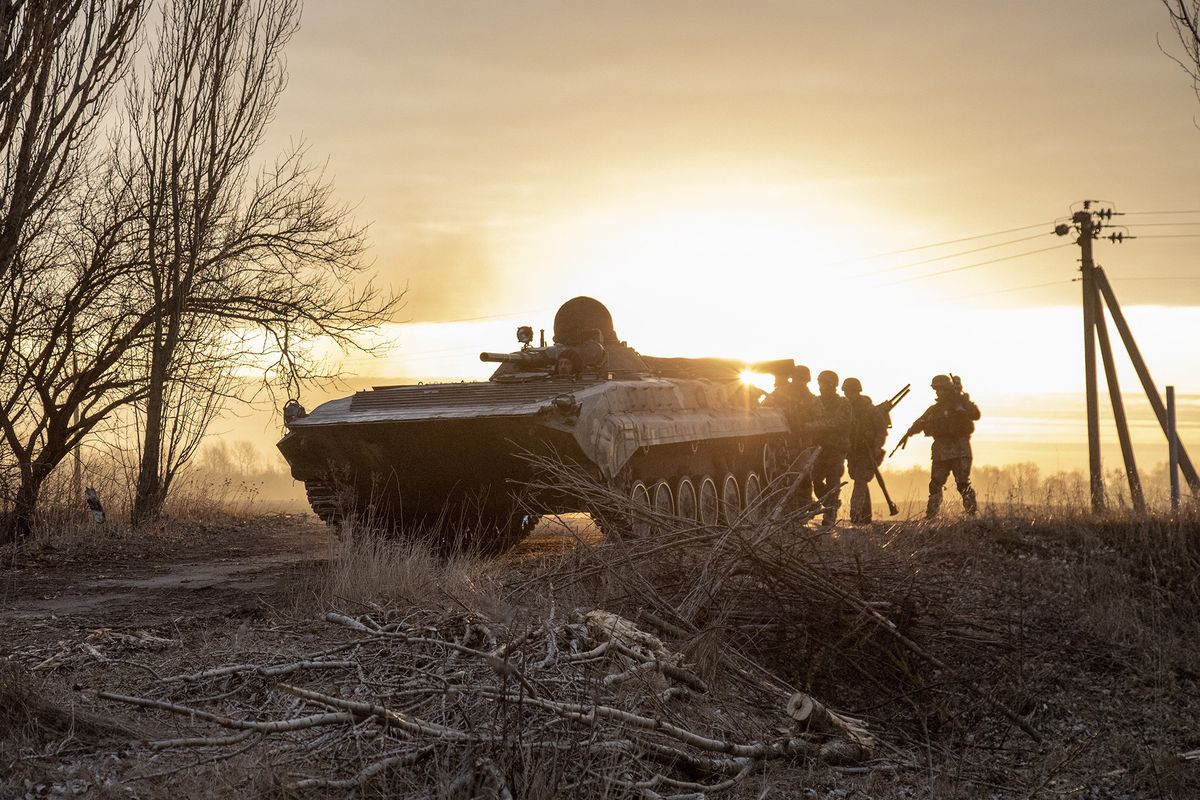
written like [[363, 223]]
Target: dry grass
[[32, 719], [370, 568], [65, 528], [1081, 627], [41, 736], [1133, 580]]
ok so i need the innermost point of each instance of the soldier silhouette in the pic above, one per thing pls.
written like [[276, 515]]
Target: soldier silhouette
[[800, 408], [831, 432], [950, 421], [868, 432]]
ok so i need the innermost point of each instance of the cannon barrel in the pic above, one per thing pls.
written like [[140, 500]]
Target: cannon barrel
[[502, 358], [534, 357]]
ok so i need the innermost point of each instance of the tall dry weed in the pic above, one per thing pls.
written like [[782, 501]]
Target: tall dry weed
[[369, 567]]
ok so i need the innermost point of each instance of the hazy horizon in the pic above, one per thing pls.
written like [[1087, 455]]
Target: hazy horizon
[[769, 180]]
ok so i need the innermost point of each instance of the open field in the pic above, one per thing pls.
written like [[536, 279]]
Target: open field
[[956, 643]]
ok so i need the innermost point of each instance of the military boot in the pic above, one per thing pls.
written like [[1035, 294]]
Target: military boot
[[970, 502], [860, 503], [829, 518], [935, 501]]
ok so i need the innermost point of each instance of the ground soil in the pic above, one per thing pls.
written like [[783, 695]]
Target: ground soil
[[1088, 645]]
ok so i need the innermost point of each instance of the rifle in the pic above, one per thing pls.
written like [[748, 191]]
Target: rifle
[[903, 441], [887, 405], [893, 509]]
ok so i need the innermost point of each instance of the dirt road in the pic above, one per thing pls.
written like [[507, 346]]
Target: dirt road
[[196, 572], [210, 570]]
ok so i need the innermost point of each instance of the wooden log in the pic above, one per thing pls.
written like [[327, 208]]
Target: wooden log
[[816, 718]]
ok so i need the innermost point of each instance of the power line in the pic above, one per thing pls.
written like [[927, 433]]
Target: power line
[[977, 264], [1060, 282], [1157, 224], [936, 244], [949, 256], [1170, 236], [1136, 213]]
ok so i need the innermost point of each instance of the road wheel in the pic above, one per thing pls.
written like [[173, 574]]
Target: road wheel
[[773, 457], [731, 499], [709, 502], [687, 505], [639, 495], [751, 491], [663, 499]]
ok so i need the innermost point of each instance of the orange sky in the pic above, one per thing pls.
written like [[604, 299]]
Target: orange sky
[[721, 173]]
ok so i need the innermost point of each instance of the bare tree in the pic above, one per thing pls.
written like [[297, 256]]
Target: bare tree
[[1185, 19], [201, 382], [73, 314], [59, 62], [231, 254], [146, 277]]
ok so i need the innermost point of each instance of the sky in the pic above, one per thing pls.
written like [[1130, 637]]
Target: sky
[[736, 179]]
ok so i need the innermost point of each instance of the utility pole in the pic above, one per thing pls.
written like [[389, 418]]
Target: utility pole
[[1136, 496], [1097, 295], [1143, 373], [1088, 231], [1172, 449]]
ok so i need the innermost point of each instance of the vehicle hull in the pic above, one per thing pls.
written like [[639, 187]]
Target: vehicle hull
[[414, 457]]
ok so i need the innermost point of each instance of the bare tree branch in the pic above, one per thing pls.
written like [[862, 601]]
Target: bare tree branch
[[231, 254], [1185, 20]]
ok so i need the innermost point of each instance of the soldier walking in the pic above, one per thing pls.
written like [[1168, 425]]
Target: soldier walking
[[831, 432], [868, 432], [950, 421], [800, 408]]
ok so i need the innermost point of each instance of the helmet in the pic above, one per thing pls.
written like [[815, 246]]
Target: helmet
[[852, 386], [827, 379], [941, 382], [801, 374]]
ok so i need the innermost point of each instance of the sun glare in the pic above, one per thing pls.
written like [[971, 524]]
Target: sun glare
[[735, 257], [758, 379]]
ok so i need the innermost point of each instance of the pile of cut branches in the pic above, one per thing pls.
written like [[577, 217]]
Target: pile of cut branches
[[629, 667], [584, 704], [766, 588]]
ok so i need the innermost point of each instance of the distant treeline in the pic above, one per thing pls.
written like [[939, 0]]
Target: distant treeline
[[1024, 485]]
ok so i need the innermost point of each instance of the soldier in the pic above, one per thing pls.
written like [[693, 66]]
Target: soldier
[[831, 432], [568, 365], [868, 432], [800, 408], [950, 421]]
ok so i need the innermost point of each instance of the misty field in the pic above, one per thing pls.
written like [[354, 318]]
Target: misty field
[[1032, 652]]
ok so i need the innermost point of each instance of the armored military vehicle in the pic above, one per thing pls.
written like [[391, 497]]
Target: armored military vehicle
[[679, 435]]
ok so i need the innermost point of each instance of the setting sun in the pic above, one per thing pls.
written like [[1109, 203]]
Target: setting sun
[[759, 380]]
